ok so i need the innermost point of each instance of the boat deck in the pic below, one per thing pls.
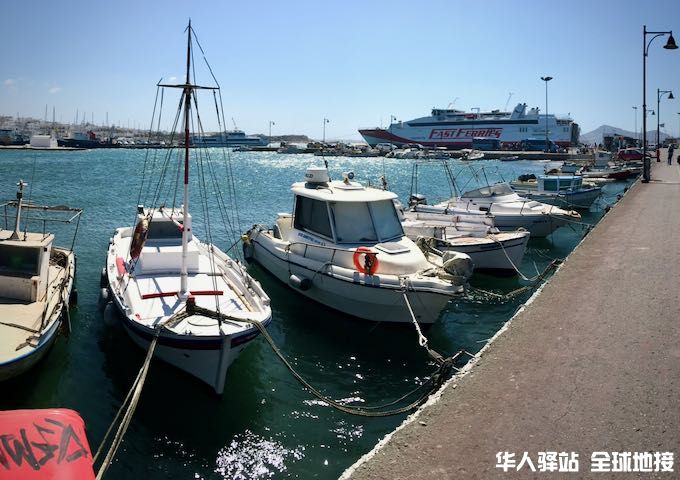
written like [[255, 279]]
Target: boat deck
[[590, 365], [20, 322], [154, 297]]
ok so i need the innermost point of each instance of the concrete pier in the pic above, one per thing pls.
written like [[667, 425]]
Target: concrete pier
[[591, 364]]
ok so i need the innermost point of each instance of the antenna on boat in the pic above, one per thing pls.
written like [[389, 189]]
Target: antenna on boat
[[508, 101], [20, 196]]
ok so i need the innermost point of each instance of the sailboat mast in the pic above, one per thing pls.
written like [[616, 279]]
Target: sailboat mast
[[186, 230]]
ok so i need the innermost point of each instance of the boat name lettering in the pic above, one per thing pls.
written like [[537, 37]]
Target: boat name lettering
[[311, 239], [444, 133]]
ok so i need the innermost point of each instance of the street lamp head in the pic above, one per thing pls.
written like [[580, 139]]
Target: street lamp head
[[547, 79], [670, 44], [670, 96]]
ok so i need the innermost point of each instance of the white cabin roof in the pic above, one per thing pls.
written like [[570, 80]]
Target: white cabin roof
[[28, 239], [337, 191]]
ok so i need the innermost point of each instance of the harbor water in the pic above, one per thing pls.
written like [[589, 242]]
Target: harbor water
[[265, 425]]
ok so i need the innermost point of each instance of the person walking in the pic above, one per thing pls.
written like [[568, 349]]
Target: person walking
[[670, 154]]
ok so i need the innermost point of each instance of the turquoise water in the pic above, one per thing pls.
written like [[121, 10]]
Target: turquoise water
[[265, 425]]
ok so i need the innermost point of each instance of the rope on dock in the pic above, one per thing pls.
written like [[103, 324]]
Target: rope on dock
[[130, 404]]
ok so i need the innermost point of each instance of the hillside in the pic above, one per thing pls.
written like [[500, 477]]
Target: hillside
[[597, 135]]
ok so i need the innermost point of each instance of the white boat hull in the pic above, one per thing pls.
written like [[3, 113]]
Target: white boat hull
[[502, 251], [16, 361], [201, 346], [375, 297]]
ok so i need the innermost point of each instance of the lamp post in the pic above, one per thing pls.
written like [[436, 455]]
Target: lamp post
[[270, 131], [678, 137], [670, 45], [325, 121], [659, 94], [547, 142], [637, 137]]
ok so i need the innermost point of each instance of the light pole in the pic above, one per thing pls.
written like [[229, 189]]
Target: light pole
[[637, 137], [325, 121], [547, 142], [678, 137], [659, 94], [670, 45], [270, 131]]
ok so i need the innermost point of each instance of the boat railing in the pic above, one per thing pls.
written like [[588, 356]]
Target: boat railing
[[69, 215], [307, 251]]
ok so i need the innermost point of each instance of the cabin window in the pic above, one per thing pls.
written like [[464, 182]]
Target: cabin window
[[361, 222], [312, 216], [386, 220], [353, 222], [19, 260]]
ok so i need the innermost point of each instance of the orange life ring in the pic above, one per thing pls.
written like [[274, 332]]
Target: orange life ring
[[370, 263], [138, 238]]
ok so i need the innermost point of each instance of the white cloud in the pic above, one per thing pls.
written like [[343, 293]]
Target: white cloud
[[9, 82], [54, 90]]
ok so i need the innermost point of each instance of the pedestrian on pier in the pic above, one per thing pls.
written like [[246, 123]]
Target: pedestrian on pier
[[670, 154]]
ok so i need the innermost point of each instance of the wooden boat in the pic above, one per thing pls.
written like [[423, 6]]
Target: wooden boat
[[201, 304], [36, 282]]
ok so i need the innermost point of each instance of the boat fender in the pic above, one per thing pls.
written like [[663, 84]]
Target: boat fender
[[370, 263], [300, 282], [103, 279], [138, 238], [103, 298], [457, 264], [248, 248]]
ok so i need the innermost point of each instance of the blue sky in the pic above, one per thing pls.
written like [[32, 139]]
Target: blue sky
[[353, 62]]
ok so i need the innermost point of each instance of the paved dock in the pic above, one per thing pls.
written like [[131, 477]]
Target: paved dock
[[591, 364]]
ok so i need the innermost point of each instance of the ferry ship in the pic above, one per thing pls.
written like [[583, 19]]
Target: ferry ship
[[229, 138], [455, 129]]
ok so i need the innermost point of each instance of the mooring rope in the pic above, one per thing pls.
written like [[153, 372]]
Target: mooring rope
[[133, 398], [437, 378]]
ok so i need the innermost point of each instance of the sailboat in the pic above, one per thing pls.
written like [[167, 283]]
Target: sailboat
[[36, 281], [201, 304]]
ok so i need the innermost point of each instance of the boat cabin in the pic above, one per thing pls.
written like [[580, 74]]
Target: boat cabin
[[24, 263], [163, 246], [559, 183], [342, 212]]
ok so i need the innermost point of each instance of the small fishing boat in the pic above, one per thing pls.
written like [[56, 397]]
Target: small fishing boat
[[561, 190], [474, 235], [510, 211], [36, 283], [344, 247], [202, 305]]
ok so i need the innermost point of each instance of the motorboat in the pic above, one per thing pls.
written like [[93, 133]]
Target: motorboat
[[475, 235], [200, 304], [344, 246], [567, 191], [36, 286], [510, 211]]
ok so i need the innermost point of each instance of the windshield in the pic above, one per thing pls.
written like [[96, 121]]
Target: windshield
[[490, 190], [362, 222]]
